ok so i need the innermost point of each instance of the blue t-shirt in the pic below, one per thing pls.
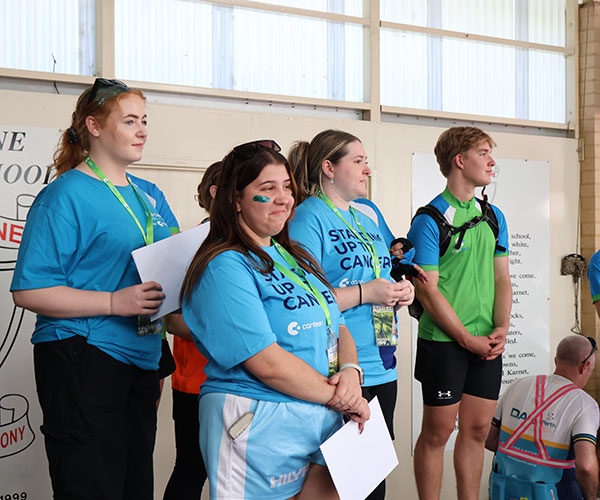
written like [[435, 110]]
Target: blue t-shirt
[[594, 276], [79, 235], [347, 262], [235, 312], [369, 208], [158, 200]]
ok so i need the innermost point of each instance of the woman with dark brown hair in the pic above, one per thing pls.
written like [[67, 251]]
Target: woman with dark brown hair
[[266, 319], [96, 351]]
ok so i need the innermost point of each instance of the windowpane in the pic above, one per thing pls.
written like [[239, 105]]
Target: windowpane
[[164, 41], [413, 12], [404, 69], [478, 78], [547, 87], [48, 35], [238, 48], [463, 76], [547, 22], [484, 17], [346, 7], [537, 21]]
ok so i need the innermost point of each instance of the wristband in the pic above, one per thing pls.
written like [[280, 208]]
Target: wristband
[[110, 309], [359, 294], [361, 375]]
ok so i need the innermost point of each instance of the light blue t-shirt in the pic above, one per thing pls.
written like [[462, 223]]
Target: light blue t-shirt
[[235, 312], [80, 236], [347, 262], [594, 276]]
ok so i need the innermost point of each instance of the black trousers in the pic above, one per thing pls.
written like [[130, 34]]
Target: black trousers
[[189, 473], [99, 422], [386, 394]]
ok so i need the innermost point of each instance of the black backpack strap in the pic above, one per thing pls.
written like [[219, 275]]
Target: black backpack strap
[[446, 229], [490, 217]]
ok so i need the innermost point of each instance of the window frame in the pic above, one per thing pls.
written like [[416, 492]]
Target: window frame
[[371, 109]]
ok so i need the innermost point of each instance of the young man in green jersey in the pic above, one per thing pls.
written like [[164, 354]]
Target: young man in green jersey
[[462, 331]]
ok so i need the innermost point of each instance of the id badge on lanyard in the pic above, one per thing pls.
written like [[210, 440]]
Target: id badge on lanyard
[[385, 323], [332, 352], [145, 326]]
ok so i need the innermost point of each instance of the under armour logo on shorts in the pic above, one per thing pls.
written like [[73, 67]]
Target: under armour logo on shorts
[[444, 395]]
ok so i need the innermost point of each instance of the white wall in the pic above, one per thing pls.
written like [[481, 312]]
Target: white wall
[[188, 139]]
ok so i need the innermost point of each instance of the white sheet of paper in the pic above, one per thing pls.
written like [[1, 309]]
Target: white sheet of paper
[[359, 462], [166, 262]]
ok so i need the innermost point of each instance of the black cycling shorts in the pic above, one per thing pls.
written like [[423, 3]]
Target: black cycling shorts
[[447, 371]]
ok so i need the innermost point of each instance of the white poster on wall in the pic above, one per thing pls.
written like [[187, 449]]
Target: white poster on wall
[[25, 158], [520, 189]]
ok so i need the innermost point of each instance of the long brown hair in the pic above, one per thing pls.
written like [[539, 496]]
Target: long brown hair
[[74, 143], [226, 233], [307, 158]]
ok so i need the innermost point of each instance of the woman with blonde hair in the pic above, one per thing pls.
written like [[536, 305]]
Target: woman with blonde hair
[[331, 172]]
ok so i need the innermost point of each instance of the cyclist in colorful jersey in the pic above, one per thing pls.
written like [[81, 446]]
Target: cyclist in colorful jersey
[[331, 172], [467, 303], [96, 352], [280, 369], [544, 431]]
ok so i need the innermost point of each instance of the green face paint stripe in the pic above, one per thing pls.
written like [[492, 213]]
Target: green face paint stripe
[[261, 199]]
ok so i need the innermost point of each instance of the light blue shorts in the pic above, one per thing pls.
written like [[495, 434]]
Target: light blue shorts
[[270, 458]]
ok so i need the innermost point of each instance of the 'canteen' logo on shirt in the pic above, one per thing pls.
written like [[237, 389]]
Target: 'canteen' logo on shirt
[[294, 328], [346, 282]]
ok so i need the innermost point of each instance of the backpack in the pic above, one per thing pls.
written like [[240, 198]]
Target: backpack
[[447, 231]]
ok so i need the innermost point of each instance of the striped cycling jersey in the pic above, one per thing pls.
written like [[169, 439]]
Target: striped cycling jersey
[[570, 418]]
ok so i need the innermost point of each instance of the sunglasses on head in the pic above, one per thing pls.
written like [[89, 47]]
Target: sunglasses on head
[[104, 83], [249, 149], [594, 348]]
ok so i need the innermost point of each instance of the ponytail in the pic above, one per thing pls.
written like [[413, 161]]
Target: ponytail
[[306, 159], [298, 160]]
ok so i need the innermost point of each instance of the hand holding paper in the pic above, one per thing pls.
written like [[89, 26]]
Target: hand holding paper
[[359, 462], [166, 262]]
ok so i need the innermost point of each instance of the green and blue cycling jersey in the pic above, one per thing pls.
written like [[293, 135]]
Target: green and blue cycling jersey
[[466, 274]]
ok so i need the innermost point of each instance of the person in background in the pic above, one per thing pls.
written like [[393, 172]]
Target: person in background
[[331, 171], [544, 431], [189, 473], [96, 352], [280, 360], [593, 272]]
